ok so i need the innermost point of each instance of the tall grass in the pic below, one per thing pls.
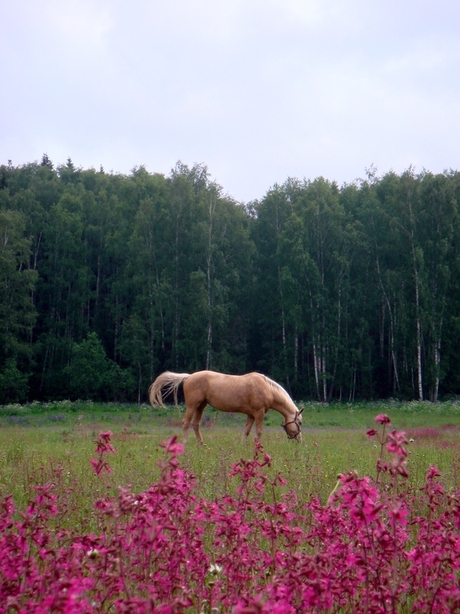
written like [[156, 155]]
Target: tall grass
[[334, 441]]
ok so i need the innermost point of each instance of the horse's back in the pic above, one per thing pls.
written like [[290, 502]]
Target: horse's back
[[228, 392]]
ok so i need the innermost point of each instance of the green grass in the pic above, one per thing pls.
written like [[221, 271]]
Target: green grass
[[36, 439]]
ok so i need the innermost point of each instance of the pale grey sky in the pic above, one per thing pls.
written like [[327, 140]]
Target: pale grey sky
[[258, 90]]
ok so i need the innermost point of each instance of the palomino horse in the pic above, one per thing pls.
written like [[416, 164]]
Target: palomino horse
[[252, 394]]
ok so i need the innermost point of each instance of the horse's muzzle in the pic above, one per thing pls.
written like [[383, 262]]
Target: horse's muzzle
[[296, 436]]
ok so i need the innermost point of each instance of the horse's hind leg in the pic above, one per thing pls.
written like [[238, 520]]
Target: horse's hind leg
[[193, 416], [186, 422], [197, 416]]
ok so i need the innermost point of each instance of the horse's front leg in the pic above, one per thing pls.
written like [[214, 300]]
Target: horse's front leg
[[247, 428], [259, 419]]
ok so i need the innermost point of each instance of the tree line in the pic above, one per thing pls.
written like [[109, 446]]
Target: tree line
[[338, 293]]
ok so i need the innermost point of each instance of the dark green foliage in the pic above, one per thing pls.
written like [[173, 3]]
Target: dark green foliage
[[17, 312], [93, 376], [338, 293]]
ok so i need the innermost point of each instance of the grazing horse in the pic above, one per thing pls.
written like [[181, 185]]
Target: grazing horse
[[252, 394]]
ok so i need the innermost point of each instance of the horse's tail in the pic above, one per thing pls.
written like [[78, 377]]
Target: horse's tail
[[165, 384]]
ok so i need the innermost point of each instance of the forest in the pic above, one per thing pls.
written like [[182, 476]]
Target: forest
[[339, 293]]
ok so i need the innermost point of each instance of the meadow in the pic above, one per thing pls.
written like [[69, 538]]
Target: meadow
[[93, 495]]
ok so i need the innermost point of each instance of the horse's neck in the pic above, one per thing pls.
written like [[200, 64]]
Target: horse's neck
[[283, 404]]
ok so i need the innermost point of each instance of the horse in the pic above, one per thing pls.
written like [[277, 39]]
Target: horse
[[252, 394]]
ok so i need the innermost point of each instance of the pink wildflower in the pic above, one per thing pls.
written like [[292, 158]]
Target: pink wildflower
[[396, 442], [103, 446], [399, 513], [433, 472], [173, 446]]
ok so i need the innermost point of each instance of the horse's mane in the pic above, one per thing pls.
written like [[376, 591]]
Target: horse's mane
[[279, 389]]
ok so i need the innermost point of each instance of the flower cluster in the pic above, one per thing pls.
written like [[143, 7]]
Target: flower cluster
[[103, 446], [372, 548], [395, 443]]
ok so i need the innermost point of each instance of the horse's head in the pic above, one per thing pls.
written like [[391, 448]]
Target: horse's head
[[293, 427]]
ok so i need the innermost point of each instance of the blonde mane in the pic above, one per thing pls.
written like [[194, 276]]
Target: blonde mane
[[280, 389], [274, 384]]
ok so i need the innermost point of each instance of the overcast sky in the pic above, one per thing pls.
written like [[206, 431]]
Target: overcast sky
[[258, 90]]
